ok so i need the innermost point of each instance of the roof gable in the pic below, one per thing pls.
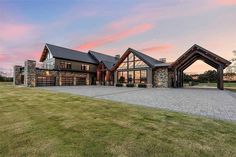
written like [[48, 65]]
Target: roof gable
[[145, 58], [196, 49], [107, 60], [102, 57], [65, 53]]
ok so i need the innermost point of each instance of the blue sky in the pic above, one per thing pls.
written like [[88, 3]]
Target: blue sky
[[156, 27]]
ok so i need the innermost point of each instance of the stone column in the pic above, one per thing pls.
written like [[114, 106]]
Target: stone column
[[30, 73], [161, 77], [17, 75]]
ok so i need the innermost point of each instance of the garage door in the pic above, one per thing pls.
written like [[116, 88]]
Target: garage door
[[46, 81], [67, 81], [80, 80]]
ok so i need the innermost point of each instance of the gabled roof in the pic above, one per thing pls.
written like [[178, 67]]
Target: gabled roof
[[108, 61], [152, 62], [102, 57], [206, 52], [65, 53], [147, 59], [108, 64]]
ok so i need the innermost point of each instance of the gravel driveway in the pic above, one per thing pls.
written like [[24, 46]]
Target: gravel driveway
[[207, 102]]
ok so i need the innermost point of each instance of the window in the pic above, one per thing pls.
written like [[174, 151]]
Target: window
[[68, 65], [143, 76], [65, 65], [137, 76], [49, 56], [62, 65], [85, 67], [131, 77], [132, 70]]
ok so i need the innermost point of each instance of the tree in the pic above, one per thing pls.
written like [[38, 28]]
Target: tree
[[208, 76], [187, 78], [232, 67]]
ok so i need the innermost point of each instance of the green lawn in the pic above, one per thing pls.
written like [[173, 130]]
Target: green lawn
[[215, 84], [39, 123]]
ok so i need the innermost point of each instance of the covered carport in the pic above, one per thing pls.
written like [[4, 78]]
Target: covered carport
[[198, 53]]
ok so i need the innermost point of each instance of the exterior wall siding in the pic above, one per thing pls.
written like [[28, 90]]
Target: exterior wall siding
[[75, 65]]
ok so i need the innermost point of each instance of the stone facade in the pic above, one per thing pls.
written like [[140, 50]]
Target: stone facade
[[17, 75], [30, 73], [160, 77]]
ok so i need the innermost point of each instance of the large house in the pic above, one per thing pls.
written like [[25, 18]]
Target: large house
[[66, 67]]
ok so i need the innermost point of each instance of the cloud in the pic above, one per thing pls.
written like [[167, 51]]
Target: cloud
[[10, 32], [226, 2], [159, 48], [116, 36]]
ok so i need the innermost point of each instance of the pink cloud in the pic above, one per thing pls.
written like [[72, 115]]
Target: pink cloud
[[227, 2], [159, 48], [116, 36], [15, 31]]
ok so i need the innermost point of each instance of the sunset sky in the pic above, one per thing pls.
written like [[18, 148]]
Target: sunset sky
[[159, 28]]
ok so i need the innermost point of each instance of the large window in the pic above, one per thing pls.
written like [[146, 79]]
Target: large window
[[132, 62], [132, 70], [137, 76]]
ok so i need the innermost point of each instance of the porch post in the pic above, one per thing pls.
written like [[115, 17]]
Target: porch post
[[220, 75], [175, 78]]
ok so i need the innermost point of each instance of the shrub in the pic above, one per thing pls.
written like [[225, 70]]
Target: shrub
[[142, 85], [122, 79], [130, 85], [119, 85]]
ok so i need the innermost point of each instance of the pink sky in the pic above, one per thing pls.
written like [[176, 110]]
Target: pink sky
[[160, 29]]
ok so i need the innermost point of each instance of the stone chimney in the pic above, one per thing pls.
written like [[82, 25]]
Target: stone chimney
[[17, 75], [162, 60], [117, 57], [30, 73]]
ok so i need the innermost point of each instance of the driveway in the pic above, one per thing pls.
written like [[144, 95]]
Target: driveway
[[206, 102]]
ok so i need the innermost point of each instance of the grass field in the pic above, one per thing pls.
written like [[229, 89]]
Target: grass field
[[226, 85], [39, 123]]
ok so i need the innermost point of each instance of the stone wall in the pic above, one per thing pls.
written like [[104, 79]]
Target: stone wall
[[17, 75], [30, 73], [160, 77]]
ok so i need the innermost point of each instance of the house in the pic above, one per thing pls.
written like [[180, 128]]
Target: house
[[66, 67]]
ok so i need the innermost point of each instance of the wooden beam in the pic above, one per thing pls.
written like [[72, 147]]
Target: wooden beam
[[220, 81]]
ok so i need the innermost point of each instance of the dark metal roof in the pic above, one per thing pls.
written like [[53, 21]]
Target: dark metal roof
[[102, 57], [108, 61], [147, 59], [65, 53], [108, 64]]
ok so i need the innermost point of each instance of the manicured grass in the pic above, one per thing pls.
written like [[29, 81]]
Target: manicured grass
[[215, 84], [34, 122]]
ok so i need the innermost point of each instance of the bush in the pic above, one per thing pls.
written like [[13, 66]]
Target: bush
[[122, 79], [142, 85], [130, 85], [119, 85]]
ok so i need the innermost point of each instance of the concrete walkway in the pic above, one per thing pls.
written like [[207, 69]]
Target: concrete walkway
[[206, 102]]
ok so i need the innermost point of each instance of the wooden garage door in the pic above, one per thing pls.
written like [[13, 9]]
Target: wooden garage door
[[46, 81], [67, 81], [80, 80]]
